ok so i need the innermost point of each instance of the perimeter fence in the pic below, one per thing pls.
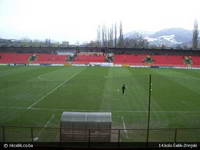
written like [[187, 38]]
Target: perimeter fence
[[50, 134]]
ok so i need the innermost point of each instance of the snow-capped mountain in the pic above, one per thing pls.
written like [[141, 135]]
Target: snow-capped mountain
[[137, 33], [168, 40], [169, 37]]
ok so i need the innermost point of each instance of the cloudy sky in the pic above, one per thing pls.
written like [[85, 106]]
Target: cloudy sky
[[77, 20]]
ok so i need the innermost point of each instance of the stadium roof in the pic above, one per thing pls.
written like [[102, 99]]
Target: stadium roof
[[86, 117]]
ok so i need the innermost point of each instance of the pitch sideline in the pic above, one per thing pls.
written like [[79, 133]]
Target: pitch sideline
[[47, 123], [124, 126]]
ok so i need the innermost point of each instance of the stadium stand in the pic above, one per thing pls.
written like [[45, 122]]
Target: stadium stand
[[167, 60], [14, 58], [90, 54], [159, 60], [50, 59], [129, 59], [196, 61], [85, 58]]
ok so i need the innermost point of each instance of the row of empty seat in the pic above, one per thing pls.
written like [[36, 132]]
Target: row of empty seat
[[18, 58], [81, 59], [14, 58], [196, 61], [128, 59], [50, 59], [157, 60]]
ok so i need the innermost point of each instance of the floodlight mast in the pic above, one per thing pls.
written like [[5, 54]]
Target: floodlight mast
[[149, 109]]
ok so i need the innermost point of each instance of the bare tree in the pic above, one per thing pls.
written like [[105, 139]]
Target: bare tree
[[121, 37], [99, 36], [111, 37], [103, 35], [137, 42], [195, 35], [107, 36], [115, 35]]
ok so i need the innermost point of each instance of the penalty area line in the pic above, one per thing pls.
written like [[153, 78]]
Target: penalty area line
[[53, 90]]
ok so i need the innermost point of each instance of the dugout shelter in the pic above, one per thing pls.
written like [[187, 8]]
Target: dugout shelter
[[85, 127]]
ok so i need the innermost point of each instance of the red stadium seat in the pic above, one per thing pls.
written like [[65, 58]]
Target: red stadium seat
[[82, 59], [14, 58], [124, 59], [50, 59]]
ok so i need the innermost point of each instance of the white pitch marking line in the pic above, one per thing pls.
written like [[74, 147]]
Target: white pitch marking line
[[40, 99], [40, 78], [124, 126], [47, 123], [62, 109]]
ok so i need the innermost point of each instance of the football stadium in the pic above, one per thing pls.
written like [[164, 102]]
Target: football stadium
[[160, 102]]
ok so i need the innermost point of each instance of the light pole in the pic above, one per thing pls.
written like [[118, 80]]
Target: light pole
[[149, 109]]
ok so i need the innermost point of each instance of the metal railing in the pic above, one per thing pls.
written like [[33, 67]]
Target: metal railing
[[50, 134]]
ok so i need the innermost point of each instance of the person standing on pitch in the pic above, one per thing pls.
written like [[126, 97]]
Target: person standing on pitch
[[123, 88]]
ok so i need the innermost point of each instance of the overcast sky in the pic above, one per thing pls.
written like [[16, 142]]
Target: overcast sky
[[77, 20]]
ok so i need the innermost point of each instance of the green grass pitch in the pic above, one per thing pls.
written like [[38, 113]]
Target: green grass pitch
[[36, 96]]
